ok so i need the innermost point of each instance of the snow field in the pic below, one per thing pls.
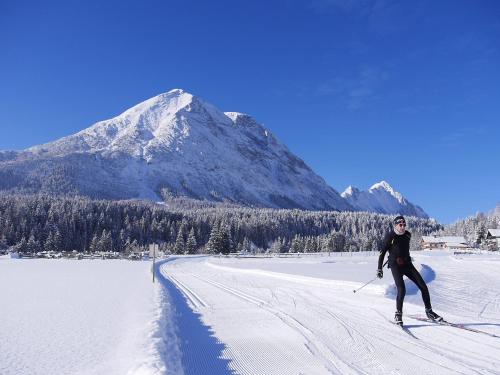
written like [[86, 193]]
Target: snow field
[[210, 315], [274, 317], [75, 317]]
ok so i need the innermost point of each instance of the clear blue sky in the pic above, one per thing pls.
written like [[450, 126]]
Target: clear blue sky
[[405, 91]]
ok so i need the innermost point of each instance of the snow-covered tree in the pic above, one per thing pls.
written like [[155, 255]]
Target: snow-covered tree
[[179, 246], [191, 244]]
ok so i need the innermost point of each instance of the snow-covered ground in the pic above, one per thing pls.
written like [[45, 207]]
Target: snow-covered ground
[[210, 315], [300, 316], [77, 317]]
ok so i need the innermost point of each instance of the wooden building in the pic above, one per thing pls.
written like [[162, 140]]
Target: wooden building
[[443, 242], [493, 239]]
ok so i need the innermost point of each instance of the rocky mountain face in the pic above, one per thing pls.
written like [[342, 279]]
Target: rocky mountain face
[[173, 144], [381, 198]]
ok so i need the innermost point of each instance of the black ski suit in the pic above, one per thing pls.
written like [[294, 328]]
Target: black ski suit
[[400, 264]]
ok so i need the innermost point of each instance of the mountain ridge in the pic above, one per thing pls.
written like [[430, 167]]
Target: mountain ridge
[[178, 144]]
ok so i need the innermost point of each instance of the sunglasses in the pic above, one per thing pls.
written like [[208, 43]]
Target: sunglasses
[[402, 224]]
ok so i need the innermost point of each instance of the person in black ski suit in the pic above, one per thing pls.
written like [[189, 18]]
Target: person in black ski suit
[[397, 242]]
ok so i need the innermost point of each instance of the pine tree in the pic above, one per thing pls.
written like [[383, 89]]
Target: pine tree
[[94, 244], [33, 246], [213, 244], [58, 241], [337, 240], [122, 240], [105, 242], [179, 246], [480, 234], [226, 245], [50, 244], [3, 243], [22, 246], [296, 246], [191, 244], [276, 246], [246, 246]]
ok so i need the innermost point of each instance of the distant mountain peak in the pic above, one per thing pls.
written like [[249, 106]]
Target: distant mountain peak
[[382, 185], [383, 198], [386, 187], [350, 191]]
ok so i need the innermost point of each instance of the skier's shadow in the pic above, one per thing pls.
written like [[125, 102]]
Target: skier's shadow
[[201, 352], [427, 274]]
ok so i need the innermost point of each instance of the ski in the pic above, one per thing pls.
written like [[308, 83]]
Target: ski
[[454, 325], [404, 329]]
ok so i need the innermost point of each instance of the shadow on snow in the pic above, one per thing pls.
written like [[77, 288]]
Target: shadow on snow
[[201, 351], [427, 274]]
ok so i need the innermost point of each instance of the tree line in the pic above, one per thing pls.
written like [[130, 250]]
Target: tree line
[[33, 223]]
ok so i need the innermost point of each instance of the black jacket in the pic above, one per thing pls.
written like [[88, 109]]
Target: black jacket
[[398, 247]]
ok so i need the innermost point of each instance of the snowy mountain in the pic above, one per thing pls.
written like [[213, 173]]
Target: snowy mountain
[[381, 198], [174, 144]]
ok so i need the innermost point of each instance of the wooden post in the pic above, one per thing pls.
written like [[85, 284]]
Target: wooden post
[[154, 261]]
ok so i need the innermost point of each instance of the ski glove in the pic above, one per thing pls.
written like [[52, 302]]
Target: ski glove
[[380, 273]]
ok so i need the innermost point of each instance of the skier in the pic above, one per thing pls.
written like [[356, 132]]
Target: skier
[[397, 242]]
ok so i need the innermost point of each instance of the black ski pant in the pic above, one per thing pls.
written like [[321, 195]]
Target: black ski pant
[[411, 272]]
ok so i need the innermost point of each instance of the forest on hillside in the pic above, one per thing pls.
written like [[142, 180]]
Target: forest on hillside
[[33, 223]]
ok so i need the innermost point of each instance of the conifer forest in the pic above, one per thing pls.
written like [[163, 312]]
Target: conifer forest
[[34, 223]]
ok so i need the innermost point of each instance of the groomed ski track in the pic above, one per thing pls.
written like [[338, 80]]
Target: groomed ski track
[[241, 316]]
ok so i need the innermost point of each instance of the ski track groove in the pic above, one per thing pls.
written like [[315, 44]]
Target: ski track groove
[[317, 348], [439, 354], [235, 292], [494, 302], [291, 322], [349, 328], [195, 300], [358, 345]]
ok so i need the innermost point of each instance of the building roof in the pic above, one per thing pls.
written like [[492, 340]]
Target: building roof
[[494, 232], [455, 245], [444, 239]]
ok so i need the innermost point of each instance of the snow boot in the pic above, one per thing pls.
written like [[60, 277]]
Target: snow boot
[[433, 316], [398, 318]]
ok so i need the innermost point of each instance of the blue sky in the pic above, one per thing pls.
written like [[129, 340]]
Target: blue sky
[[405, 91]]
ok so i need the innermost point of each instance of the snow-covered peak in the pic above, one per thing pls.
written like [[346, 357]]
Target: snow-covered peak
[[381, 197], [384, 186], [172, 100], [165, 105], [177, 91], [350, 191], [156, 122]]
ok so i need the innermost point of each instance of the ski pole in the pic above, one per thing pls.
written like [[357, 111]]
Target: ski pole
[[371, 281]]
